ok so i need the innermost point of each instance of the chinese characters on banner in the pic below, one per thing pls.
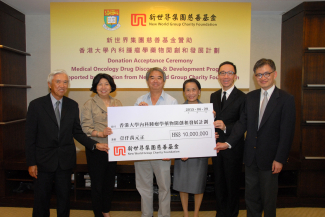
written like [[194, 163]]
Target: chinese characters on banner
[[125, 39], [156, 132]]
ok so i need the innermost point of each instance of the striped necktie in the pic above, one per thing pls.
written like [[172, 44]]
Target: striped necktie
[[57, 112], [263, 106]]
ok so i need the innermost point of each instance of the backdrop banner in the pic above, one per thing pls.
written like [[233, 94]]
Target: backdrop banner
[[125, 39]]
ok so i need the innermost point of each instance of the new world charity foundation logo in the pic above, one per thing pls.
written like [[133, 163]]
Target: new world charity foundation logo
[[111, 19], [138, 19], [119, 150]]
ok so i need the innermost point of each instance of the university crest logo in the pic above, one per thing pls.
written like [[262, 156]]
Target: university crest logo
[[111, 19]]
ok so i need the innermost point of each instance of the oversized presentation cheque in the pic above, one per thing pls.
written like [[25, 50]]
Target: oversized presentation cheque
[[164, 131]]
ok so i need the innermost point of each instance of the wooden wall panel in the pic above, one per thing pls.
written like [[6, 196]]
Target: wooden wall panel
[[12, 137], [313, 144], [12, 68], [314, 31], [291, 69], [13, 22], [13, 101], [2, 181], [312, 184], [13, 12], [314, 68], [313, 105], [303, 27]]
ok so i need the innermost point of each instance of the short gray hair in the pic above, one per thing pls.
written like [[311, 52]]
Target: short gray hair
[[57, 71], [155, 69]]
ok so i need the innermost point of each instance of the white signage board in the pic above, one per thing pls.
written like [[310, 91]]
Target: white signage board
[[164, 131]]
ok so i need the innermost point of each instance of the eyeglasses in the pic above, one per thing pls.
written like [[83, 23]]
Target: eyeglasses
[[266, 75], [223, 73]]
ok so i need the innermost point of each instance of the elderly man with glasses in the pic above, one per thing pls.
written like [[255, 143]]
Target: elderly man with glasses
[[52, 124]]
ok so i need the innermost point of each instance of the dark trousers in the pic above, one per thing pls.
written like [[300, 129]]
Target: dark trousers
[[102, 175], [43, 190], [227, 170], [261, 191]]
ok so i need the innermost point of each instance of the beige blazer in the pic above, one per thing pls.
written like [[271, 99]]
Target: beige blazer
[[94, 116]]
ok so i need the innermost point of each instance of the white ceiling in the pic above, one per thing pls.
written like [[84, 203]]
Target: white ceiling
[[37, 7]]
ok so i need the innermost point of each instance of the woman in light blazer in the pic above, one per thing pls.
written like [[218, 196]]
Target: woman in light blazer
[[94, 124]]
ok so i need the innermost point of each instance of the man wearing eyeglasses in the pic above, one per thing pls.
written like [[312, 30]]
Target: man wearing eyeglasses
[[269, 118], [228, 103]]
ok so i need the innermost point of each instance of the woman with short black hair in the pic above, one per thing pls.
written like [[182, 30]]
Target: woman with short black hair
[[94, 124]]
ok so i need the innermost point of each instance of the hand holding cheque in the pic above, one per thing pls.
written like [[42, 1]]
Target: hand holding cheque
[[220, 145], [169, 131]]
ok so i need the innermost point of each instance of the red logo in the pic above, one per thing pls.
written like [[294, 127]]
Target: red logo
[[137, 19], [119, 150]]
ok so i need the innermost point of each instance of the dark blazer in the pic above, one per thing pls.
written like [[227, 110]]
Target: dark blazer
[[44, 147], [229, 114], [272, 141]]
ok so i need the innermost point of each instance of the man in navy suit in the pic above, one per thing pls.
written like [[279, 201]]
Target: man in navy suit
[[228, 103], [52, 123], [269, 118]]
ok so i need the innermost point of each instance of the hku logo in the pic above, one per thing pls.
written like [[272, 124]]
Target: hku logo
[[119, 150], [137, 19], [111, 19]]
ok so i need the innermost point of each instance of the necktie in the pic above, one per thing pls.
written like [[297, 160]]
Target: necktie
[[57, 112], [224, 98], [263, 106]]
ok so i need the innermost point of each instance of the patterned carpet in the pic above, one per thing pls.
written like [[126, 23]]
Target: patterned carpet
[[287, 212]]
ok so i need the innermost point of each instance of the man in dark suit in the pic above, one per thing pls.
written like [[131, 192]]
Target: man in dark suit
[[52, 123], [228, 103], [269, 118]]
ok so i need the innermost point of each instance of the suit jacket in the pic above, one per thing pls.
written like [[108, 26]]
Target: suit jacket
[[44, 147], [272, 141], [229, 114], [94, 116]]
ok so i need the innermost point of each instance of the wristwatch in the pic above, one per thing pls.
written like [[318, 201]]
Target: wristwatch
[[94, 147]]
